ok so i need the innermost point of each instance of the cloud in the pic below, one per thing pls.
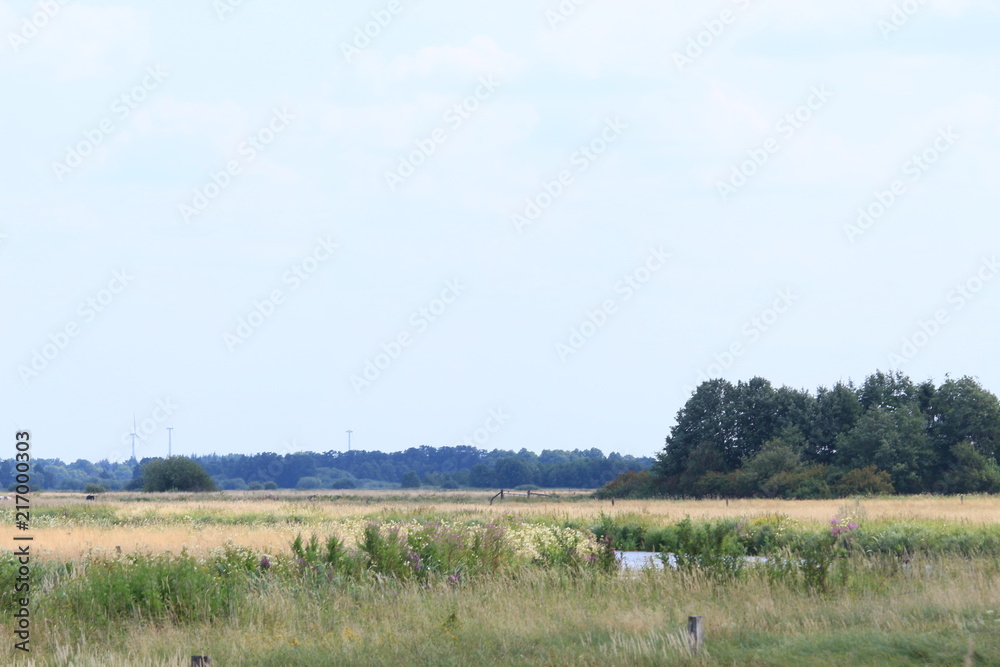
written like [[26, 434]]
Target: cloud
[[82, 41], [478, 57]]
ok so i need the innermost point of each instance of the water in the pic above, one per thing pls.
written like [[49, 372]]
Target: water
[[640, 560]]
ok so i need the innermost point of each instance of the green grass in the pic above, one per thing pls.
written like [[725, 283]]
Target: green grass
[[886, 593]]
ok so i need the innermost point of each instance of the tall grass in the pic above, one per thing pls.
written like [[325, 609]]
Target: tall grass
[[428, 584]]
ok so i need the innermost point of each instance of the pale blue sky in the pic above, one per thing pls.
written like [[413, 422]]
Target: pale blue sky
[[772, 269]]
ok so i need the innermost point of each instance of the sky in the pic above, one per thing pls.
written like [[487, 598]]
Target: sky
[[522, 225]]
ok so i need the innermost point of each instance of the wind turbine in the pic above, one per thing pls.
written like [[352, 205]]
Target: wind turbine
[[170, 440], [349, 432], [134, 436]]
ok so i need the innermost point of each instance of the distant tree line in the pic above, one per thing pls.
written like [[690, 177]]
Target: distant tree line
[[447, 467], [888, 435]]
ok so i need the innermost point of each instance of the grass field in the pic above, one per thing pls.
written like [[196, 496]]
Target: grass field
[[445, 578]]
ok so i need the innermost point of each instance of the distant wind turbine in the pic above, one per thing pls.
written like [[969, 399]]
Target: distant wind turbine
[[170, 440], [134, 435]]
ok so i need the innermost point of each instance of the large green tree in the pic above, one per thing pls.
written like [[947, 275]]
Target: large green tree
[[177, 473]]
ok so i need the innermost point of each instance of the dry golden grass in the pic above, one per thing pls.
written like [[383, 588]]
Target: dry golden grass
[[265, 513]]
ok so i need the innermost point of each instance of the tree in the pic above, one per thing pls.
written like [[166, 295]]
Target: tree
[[511, 471], [309, 483], [177, 473], [893, 440], [962, 411], [889, 391], [971, 471], [837, 411], [410, 480], [706, 420]]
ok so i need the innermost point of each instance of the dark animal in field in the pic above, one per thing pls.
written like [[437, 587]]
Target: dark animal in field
[[91, 497]]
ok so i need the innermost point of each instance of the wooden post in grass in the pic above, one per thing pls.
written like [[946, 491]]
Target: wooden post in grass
[[200, 661], [696, 633]]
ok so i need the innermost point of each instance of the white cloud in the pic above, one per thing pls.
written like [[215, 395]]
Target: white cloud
[[84, 41], [480, 56]]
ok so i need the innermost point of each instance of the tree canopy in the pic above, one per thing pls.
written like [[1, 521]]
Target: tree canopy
[[176, 473], [886, 435]]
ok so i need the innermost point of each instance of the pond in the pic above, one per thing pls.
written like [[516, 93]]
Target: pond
[[640, 560]]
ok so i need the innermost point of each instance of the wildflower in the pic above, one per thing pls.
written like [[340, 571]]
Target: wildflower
[[265, 563]]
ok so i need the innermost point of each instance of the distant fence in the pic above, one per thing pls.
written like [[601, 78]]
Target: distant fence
[[528, 494]]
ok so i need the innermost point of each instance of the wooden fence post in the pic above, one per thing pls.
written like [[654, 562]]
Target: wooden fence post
[[695, 633]]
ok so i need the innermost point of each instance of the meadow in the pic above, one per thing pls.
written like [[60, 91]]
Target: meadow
[[424, 577]]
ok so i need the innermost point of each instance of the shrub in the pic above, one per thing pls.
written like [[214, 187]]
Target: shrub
[[868, 480], [161, 587], [713, 548], [270, 486], [629, 484], [410, 480], [255, 486], [94, 488]]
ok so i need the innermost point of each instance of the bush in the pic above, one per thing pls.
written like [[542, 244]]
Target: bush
[[343, 483], [713, 548], [629, 484], [95, 488], [270, 486], [162, 587], [177, 473], [869, 480], [410, 480], [450, 484], [254, 486]]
